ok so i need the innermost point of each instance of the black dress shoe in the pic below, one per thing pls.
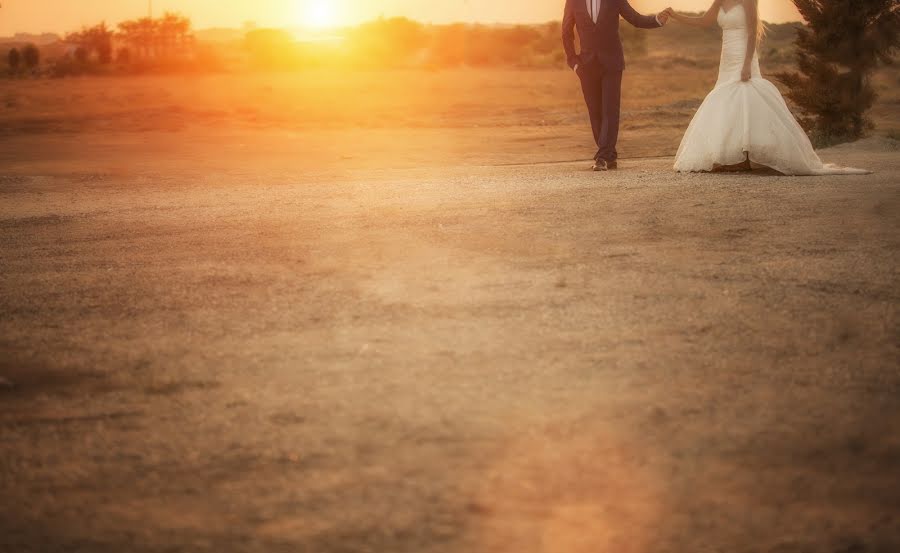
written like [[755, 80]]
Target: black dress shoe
[[599, 165], [612, 164]]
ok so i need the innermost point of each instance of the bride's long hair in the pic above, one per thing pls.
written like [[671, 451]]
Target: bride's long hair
[[761, 27]]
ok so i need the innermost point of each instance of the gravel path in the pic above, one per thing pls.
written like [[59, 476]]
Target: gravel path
[[223, 353]]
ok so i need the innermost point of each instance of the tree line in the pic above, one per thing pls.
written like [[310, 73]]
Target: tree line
[[400, 42], [138, 39], [145, 42]]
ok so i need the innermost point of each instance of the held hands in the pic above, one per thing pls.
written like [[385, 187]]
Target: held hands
[[663, 16]]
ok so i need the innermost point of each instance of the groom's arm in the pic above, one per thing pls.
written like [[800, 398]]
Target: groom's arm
[[638, 20], [568, 35]]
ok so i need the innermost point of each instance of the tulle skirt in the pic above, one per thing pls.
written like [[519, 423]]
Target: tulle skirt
[[740, 119]]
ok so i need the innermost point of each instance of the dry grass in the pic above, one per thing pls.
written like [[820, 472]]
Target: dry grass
[[660, 98]]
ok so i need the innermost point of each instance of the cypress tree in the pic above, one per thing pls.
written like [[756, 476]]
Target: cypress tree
[[843, 42]]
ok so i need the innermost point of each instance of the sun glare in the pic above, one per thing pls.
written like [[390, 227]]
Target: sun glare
[[318, 13]]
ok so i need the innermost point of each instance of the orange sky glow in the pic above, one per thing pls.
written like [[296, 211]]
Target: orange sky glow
[[65, 15]]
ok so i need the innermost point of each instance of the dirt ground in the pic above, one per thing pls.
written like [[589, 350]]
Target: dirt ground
[[441, 339]]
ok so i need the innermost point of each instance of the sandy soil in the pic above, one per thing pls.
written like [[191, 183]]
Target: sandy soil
[[441, 340]]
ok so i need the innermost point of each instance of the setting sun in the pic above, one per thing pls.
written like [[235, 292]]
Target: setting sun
[[317, 13]]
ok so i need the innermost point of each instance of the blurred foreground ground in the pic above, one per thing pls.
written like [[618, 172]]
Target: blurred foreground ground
[[292, 335]]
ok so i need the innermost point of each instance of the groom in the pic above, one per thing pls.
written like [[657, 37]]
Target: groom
[[600, 63]]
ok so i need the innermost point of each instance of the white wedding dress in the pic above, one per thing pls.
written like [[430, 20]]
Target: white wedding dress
[[747, 118]]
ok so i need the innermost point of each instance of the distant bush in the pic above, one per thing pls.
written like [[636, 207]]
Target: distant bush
[[386, 42], [27, 59], [104, 53], [271, 48], [447, 47], [15, 60], [81, 55], [400, 42], [92, 40]]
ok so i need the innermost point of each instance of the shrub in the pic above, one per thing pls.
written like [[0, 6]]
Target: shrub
[[81, 54], [15, 60], [31, 56], [845, 40]]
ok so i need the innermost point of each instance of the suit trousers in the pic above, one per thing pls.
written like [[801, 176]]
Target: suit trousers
[[602, 90]]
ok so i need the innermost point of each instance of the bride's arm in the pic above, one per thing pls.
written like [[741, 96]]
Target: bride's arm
[[706, 20], [750, 6]]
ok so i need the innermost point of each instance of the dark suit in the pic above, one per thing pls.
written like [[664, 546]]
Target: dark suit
[[600, 63]]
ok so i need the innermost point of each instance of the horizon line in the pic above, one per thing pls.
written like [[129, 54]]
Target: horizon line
[[328, 29]]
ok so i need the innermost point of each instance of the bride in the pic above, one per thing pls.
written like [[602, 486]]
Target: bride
[[744, 119]]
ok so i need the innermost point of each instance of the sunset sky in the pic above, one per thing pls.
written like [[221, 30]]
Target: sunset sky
[[64, 15]]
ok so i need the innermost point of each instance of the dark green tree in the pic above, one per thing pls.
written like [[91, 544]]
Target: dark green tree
[[31, 56], [104, 53], [837, 51], [174, 34], [94, 39], [15, 60], [82, 54], [101, 40]]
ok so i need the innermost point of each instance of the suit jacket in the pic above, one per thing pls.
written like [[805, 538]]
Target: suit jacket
[[600, 41]]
